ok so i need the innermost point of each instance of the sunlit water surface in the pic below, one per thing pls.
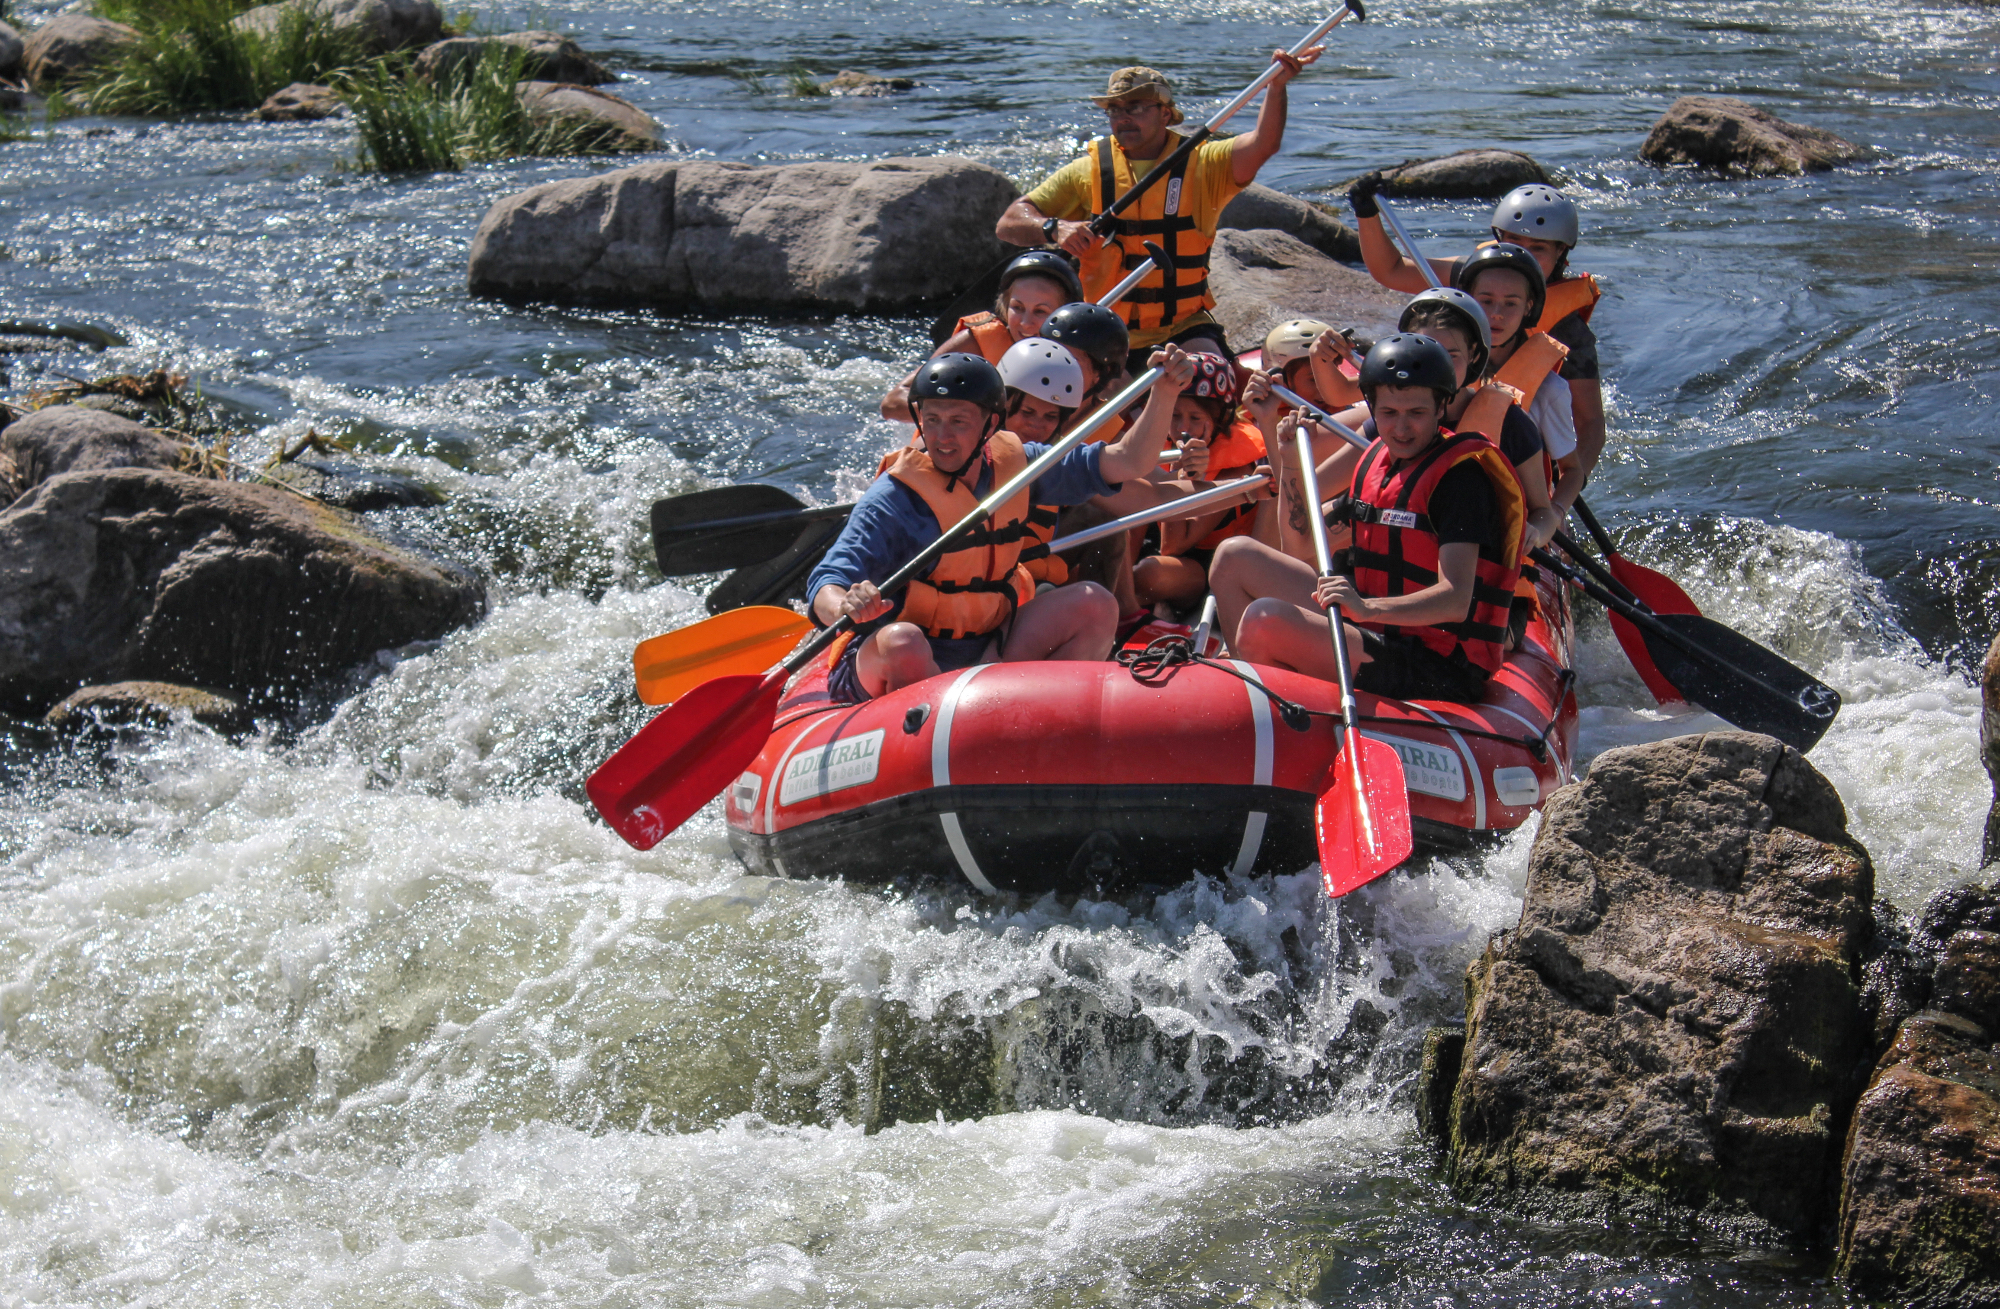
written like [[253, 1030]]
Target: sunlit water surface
[[367, 1010]]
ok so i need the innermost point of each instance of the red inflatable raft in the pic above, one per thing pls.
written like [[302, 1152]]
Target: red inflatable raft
[[1032, 777]]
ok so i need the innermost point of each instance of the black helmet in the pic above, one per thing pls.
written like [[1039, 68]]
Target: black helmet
[[1471, 315], [960, 377], [1505, 254], [1407, 359], [1093, 331], [1043, 263]]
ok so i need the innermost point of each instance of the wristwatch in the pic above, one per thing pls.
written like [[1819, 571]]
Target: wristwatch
[[1049, 226]]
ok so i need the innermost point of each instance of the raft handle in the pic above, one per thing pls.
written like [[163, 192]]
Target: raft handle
[[914, 718]]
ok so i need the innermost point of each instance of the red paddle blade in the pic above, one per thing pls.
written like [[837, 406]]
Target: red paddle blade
[[1659, 593], [1363, 816], [1633, 642], [683, 758]]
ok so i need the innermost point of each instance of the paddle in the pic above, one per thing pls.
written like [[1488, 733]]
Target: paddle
[[1363, 815], [779, 578], [1656, 591], [1630, 639], [981, 292], [1222, 493], [683, 758], [1700, 660], [740, 641]]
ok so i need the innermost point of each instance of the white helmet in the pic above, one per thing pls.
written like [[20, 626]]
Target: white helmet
[[1292, 340], [1044, 370], [1536, 209]]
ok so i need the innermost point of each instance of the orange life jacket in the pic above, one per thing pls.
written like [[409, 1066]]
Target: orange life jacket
[[1164, 214], [1042, 565], [1530, 365], [1574, 293], [1236, 453], [977, 584], [1395, 548], [989, 334]]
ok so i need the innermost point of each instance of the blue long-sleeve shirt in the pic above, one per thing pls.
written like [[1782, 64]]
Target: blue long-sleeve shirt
[[891, 524]]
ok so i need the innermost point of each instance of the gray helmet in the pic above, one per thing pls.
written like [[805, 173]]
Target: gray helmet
[[1536, 209], [1480, 333], [1407, 359]]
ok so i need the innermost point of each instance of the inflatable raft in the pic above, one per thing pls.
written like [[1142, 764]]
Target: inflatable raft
[[1032, 777]]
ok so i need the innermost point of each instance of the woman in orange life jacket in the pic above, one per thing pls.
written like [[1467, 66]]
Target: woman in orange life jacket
[[976, 604], [1436, 538], [1545, 223], [1032, 287], [1216, 447]]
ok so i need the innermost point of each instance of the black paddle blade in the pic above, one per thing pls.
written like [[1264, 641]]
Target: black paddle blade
[[701, 533], [1734, 678], [779, 579]]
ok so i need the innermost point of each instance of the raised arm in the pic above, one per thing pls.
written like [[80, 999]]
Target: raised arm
[[1136, 452]]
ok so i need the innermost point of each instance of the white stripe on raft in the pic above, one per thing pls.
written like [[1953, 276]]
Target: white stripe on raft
[[954, 835], [1471, 764], [1260, 770], [771, 792]]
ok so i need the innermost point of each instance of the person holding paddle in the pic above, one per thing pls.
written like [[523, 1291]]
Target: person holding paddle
[[1180, 213], [1438, 521], [976, 603]]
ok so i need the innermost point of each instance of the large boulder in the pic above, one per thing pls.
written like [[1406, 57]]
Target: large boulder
[[1989, 747], [1735, 138], [1261, 279], [1484, 173], [73, 439], [380, 26], [549, 57], [301, 102], [882, 236], [136, 574], [1259, 208], [619, 122], [72, 44], [1920, 1197], [11, 50], [1675, 1024]]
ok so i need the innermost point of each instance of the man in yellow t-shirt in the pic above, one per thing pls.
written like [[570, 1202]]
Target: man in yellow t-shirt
[[1179, 212]]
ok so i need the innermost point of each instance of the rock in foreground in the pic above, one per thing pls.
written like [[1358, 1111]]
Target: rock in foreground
[[1485, 173], [72, 44], [301, 102], [882, 236], [1258, 208], [1920, 1201], [1675, 1024], [1261, 279], [135, 574], [620, 122], [1733, 137], [74, 439]]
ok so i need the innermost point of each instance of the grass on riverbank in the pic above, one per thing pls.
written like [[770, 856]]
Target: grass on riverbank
[[191, 58], [407, 126]]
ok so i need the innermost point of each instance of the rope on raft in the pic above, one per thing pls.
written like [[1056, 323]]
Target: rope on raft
[[1155, 664]]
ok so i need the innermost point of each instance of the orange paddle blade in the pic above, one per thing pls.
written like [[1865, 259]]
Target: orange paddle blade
[[683, 758], [740, 641], [1363, 816]]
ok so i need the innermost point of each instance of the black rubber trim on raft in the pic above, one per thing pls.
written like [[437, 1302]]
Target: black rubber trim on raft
[[1104, 840]]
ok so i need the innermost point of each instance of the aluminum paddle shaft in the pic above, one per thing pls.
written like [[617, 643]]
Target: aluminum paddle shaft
[[1395, 224]]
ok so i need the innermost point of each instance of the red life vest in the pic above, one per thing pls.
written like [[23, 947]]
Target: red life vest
[[978, 583], [1395, 548]]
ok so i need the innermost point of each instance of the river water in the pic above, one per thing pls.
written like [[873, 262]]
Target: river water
[[369, 1011]]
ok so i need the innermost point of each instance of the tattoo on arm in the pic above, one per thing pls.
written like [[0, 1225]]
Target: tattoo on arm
[[1296, 501]]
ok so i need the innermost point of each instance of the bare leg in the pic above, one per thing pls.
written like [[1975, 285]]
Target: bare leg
[[1070, 622], [1286, 635], [1167, 578], [893, 658], [1245, 569]]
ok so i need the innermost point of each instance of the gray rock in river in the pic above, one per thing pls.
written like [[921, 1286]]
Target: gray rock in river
[[1735, 138], [70, 44], [1260, 279], [1482, 173], [887, 235], [11, 50], [148, 704], [550, 57], [850, 82], [74, 439], [1674, 1025], [1920, 1195], [1259, 208], [380, 25], [1989, 747], [301, 102], [132, 574], [618, 122]]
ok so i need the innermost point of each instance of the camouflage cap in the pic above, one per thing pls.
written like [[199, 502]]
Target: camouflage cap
[[1141, 83]]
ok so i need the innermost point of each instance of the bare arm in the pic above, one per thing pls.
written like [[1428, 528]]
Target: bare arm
[[1249, 152], [1389, 265], [1137, 450], [862, 600], [1543, 520], [1448, 600], [1021, 224]]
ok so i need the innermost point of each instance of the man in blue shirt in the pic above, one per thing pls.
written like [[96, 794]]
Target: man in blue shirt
[[974, 605]]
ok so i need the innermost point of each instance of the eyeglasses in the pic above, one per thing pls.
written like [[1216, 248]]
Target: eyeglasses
[[1131, 110]]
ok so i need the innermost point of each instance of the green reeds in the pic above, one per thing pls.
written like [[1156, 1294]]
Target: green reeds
[[191, 58], [405, 125]]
